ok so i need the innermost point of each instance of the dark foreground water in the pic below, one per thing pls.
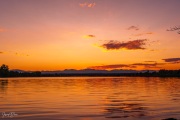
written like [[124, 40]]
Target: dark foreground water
[[89, 98]]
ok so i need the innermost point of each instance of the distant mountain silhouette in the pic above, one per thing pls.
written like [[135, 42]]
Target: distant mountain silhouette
[[93, 71], [5, 72], [17, 70]]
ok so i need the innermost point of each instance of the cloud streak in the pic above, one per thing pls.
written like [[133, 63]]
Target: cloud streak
[[89, 36], [128, 66], [115, 66], [150, 61], [149, 65], [130, 45], [133, 28], [172, 60], [88, 5], [14, 53], [141, 34]]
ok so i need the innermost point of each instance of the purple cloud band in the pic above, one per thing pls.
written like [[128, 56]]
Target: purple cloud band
[[130, 45], [172, 60], [135, 65]]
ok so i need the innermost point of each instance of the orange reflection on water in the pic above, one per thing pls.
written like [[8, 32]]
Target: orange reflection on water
[[91, 98]]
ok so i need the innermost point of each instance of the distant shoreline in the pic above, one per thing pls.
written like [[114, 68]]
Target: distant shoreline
[[5, 72], [165, 76]]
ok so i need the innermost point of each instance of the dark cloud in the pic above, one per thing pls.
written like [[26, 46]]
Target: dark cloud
[[130, 45], [1, 52], [129, 66], [146, 65], [133, 28], [91, 35], [115, 66], [172, 60], [176, 28]]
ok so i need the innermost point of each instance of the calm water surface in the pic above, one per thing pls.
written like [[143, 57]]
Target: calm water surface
[[89, 98]]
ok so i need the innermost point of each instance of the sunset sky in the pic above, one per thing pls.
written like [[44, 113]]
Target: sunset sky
[[97, 34]]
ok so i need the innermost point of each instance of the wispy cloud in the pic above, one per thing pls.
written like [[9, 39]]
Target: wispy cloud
[[115, 66], [150, 61], [133, 28], [176, 28], [20, 54], [148, 65], [141, 34], [172, 60], [14, 53], [130, 45], [89, 5], [89, 36], [129, 66]]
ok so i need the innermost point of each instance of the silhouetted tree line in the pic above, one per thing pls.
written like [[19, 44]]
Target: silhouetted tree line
[[5, 72], [161, 73], [24, 74]]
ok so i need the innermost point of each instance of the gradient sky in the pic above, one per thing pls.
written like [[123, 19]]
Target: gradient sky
[[98, 34]]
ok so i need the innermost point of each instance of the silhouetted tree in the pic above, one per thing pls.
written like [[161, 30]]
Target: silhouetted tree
[[4, 71]]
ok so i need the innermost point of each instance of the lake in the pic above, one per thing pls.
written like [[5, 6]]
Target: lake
[[89, 98]]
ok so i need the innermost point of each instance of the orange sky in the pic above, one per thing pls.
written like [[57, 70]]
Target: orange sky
[[98, 34]]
